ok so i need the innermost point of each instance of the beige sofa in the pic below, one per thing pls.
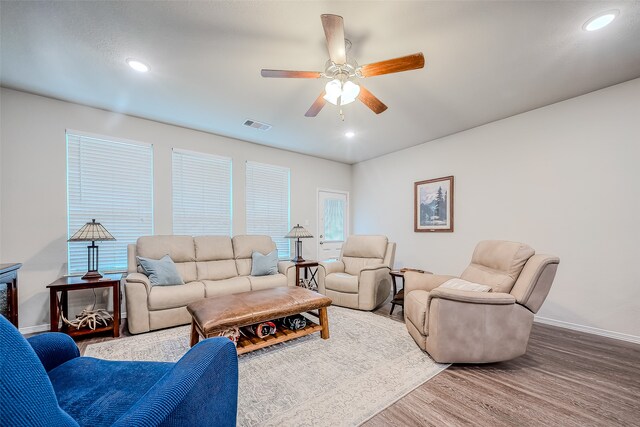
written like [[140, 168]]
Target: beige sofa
[[457, 326], [360, 277], [209, 266]]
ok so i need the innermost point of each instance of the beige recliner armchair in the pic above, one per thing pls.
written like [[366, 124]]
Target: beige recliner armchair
[[360, 277], [460, 326]]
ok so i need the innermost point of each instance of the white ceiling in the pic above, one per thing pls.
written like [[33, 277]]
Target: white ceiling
[[484, 61]]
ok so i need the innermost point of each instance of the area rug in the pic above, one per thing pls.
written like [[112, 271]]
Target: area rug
[[368, 363]]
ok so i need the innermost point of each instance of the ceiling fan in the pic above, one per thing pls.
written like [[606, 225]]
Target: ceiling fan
[[343, 71]]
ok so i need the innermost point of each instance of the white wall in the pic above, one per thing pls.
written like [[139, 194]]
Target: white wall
[[33, 186], [564, 178]]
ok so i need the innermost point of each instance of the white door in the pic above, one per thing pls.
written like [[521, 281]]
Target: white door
[[333, 223]]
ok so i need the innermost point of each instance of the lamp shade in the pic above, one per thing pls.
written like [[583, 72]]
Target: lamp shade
[[298, 232], [91, 232], [350, 92]]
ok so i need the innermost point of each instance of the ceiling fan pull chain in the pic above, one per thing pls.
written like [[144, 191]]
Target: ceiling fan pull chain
[[341, 115]]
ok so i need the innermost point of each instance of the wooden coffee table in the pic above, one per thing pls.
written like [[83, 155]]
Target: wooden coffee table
[[211, 316]]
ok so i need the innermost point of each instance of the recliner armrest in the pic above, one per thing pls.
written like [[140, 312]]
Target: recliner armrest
[[374, 267], [414, 280], [200, 390], [53, 349], [473, 297], [139, 278], [331, 267]]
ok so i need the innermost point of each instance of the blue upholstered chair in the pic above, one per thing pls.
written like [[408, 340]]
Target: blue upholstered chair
[[45, 382]]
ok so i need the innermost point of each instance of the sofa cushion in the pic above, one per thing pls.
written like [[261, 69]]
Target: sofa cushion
[[244, 245], [243, 248], [342, 282], [214, 288], [160, 271], [465, 285], [264, 265], [365, 247], [497, 264], [272, 281], [216, 270], [163, 297], [179, 248], [213, 248], [353, 265], [415, 308]]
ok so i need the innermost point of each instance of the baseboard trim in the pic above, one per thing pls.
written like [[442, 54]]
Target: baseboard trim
[[46, 327], [588, 329]]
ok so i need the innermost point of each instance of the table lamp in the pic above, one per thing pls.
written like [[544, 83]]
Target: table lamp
[[298, 232], [92, 232]]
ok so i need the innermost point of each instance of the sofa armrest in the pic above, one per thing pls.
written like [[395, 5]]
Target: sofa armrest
[[53, 349], [414, 280], [288, 269], [139, 278], [200, 390], [284, 266], [474, 297]]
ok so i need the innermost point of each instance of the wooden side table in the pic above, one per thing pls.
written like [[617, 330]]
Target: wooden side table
[[9, 275], [306, 265], [398, 296], [74, 283]]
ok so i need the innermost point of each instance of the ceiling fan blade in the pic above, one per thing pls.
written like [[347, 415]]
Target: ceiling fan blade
[[405, 63], [316, 106], [334, 32], [290, 74], [371, 101]]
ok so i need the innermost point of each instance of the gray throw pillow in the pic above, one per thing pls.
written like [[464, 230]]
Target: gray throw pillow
[[264, 265], [160, 271]]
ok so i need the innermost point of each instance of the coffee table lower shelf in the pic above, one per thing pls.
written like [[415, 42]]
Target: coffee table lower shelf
[[248, 344]]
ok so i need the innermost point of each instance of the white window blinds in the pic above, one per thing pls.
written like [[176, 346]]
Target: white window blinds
[[111, 182], [267, 196], [201, 194]]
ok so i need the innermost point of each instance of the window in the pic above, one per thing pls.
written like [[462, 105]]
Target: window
[[112, 182], [268, 203], [201, 194]]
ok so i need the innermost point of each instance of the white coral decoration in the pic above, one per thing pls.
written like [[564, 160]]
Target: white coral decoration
[[90, 318]]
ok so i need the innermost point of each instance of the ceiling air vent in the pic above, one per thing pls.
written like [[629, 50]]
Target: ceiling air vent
[[257, 125]]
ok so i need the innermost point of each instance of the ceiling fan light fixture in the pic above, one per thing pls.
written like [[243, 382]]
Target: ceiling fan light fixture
[[333, 90], [350, 92], [600, 21]]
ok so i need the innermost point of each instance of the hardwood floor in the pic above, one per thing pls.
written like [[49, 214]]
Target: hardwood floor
[[567, 378]]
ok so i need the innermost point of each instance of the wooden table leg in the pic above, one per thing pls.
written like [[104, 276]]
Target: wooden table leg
[[54, 315], [13, 304], [393, 305], [116, 310], [195, 337], [324, 322]]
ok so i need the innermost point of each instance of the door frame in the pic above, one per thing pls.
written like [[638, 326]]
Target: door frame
[[348, 222]]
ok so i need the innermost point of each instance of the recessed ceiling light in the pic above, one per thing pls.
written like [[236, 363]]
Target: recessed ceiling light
[[137, 65], [600, 21], [350, 134]]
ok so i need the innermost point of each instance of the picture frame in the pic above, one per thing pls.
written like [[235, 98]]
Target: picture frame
[[433, 205]]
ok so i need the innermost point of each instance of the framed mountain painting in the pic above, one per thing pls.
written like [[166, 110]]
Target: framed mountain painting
[[433, 200]]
